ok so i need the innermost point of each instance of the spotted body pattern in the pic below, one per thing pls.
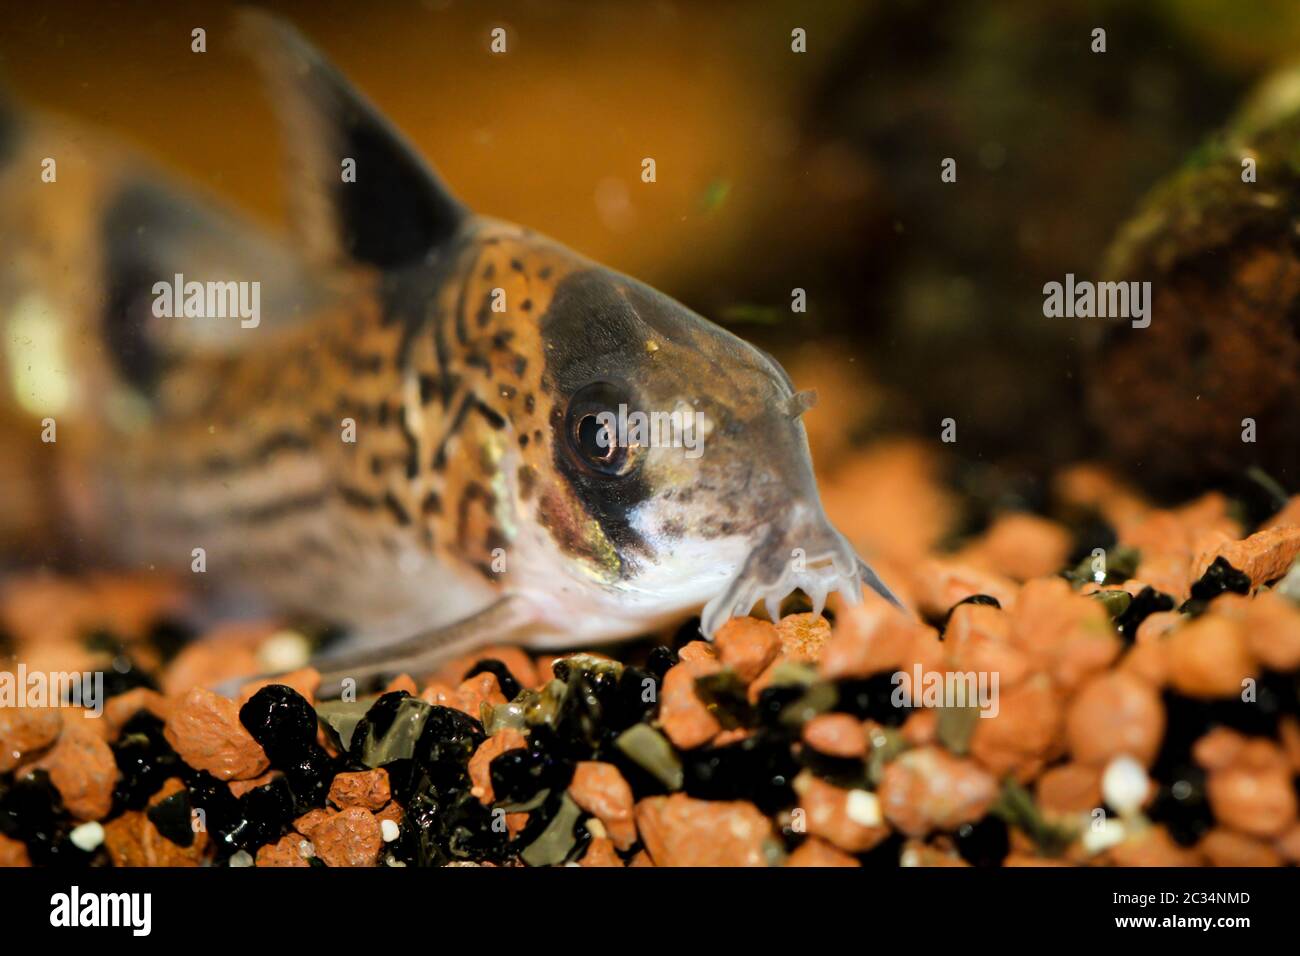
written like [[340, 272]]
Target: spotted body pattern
[[406, 445]]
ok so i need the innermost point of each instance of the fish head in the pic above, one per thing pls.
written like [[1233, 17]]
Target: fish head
[[685, 474]]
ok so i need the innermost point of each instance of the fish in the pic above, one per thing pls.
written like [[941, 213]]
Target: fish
[[406, 417]]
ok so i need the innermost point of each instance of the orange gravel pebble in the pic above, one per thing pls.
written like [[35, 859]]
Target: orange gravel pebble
[[681, 831], [480, 764], [869, 638], [1068, 635], [1022, 546], [351, 837], [13, 853], [1209, 657], [600, 852], [82, 769], [481, 689], [1225, 848], [25, 731], [1255, 800], [836, 735], [120, 709], [929, 789], [848, 819], [288, 851], [803, 636], [204, 729], [1070, 788], [684, 717], [1264, 556], [600, 789], [1026, 732], [747, 645], [367, 788], [816, 852], [1115, 714]]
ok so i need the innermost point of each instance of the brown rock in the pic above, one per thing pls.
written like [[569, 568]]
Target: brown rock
[[1112, 715], [204, 729], [829, 814], [82, 768], [288, 851], [367, 788], [680, 831], [600, 852], [684, 717], [402, 682], [836, 735], [351, 837], [816, 852], [1209, 658], [802, 636], [25, 731], [929, 789], [1026, 732], [747, 645], [600, 789], [480, 764]]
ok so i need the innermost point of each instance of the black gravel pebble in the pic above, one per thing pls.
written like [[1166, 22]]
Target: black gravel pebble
[[1147, 602], [661, 660], [282, 721], [871, 699], [173, 819], [1218, 578], [760, 768], [31, 810], [985, 842], [144, 761]]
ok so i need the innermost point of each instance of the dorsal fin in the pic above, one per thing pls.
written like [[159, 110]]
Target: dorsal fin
[[397, 211]]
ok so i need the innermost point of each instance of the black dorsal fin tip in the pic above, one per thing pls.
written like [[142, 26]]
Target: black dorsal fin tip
[[397, 211]]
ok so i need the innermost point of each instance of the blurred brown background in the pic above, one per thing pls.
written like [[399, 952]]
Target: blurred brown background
[[775, 170]]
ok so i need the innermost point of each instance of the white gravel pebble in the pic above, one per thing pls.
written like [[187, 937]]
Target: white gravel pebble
[[863, 807], [1124, 784], [87, 837], [242, 858], [390, 830], [284, 651]]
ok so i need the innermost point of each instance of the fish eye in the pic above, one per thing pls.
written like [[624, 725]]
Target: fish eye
[[591, 429]]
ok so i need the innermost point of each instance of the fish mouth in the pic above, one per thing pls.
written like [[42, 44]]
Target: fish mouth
[[804, 552]]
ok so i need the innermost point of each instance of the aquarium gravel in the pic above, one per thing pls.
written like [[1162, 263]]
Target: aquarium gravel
[[1132, 680]]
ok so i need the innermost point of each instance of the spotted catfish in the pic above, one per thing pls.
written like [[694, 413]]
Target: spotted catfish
[[423, 433]]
